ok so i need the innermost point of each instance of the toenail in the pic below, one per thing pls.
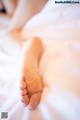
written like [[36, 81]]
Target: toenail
[[31, 107]]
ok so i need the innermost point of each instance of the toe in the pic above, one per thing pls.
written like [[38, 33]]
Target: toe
[[34, 100], [22, 84], [23, 92], [25, 100]]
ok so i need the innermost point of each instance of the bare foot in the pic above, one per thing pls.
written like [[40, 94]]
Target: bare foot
[[31, 85]]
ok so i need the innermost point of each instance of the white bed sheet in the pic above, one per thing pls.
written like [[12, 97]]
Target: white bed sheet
[[59, 28]]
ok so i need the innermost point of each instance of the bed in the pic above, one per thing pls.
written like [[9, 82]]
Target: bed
[[58, 25]]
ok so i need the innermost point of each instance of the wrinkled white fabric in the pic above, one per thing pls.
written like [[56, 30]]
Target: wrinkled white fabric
[[59, 28]]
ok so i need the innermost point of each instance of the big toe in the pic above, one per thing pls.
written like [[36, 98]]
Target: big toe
[[34, 100]]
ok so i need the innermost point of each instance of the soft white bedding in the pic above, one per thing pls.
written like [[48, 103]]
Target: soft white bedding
[[59, 28]]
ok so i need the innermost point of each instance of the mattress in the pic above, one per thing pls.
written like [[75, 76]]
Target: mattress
[[59, 28]]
